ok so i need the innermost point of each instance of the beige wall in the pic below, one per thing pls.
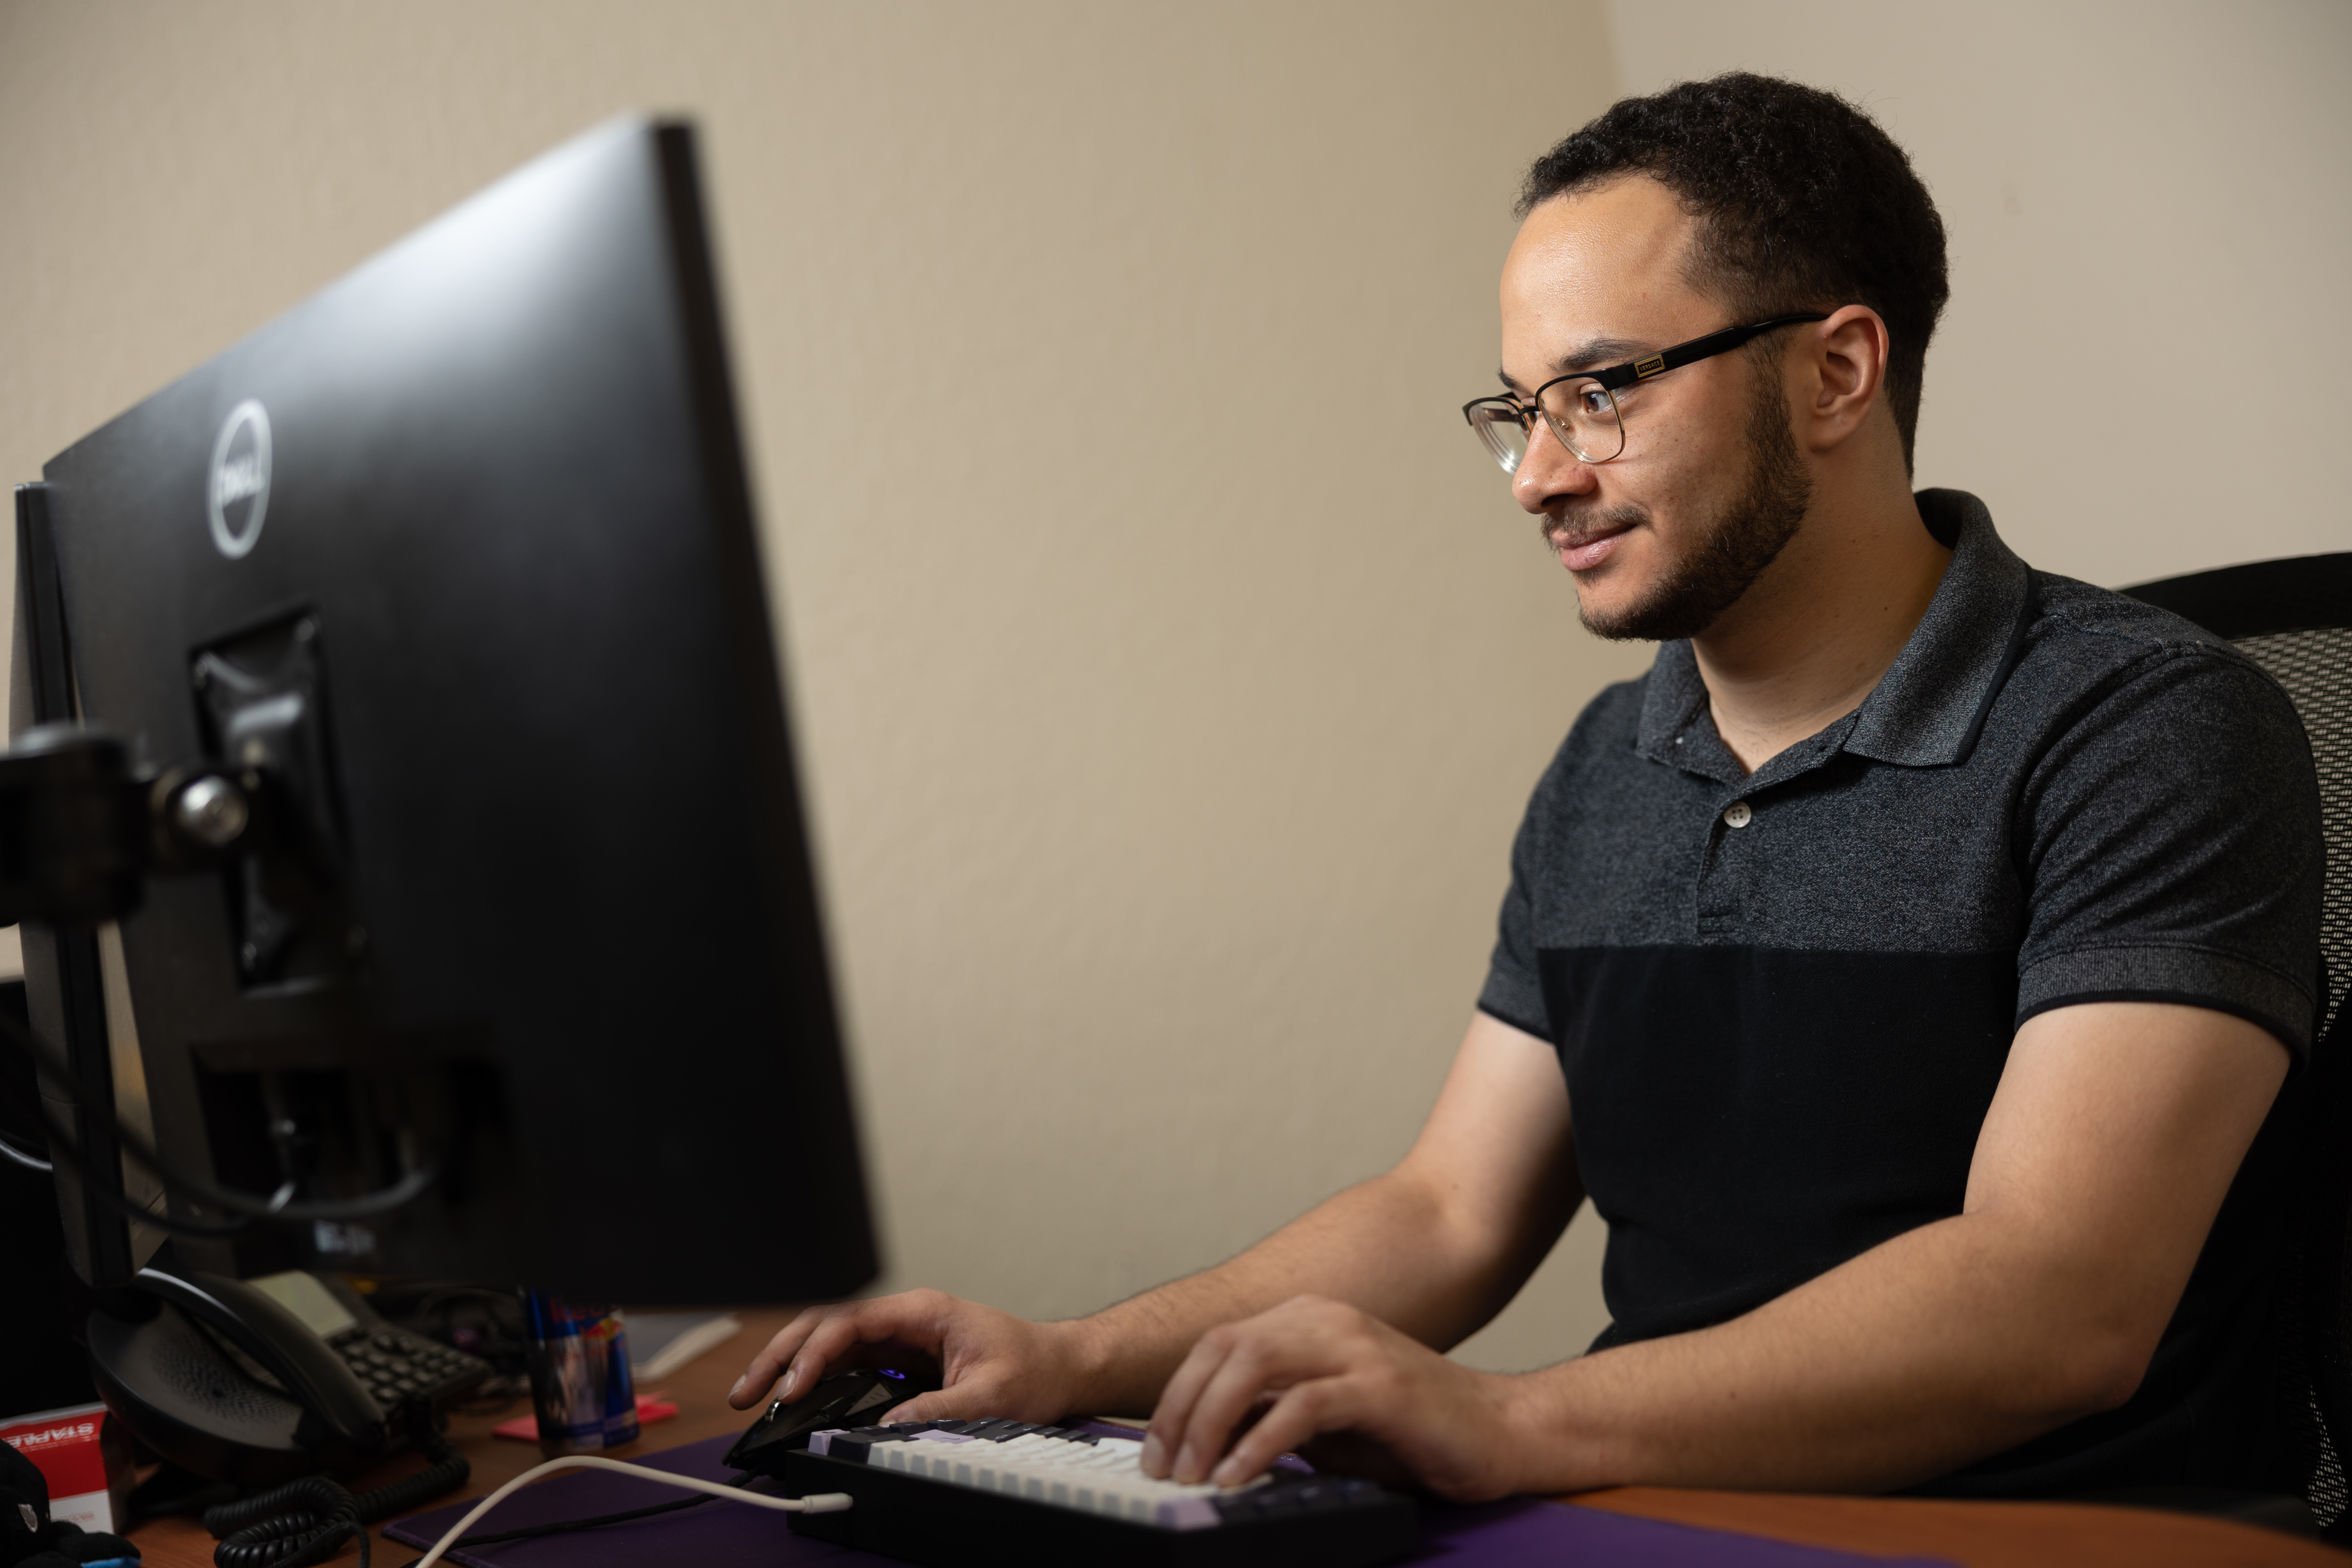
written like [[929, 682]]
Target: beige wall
[[2142, 369], [1172, 666]]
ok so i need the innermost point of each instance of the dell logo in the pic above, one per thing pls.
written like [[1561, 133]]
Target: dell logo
[[238, 493]]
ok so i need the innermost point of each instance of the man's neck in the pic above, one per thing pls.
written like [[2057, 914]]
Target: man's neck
[[1811, 636]]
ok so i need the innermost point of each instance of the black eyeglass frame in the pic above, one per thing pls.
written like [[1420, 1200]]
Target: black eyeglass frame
[[1646, 368]]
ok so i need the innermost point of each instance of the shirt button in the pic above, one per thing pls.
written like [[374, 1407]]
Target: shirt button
[[1736, 815]]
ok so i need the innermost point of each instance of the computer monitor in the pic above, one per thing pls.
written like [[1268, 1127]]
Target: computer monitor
[[454, 564]]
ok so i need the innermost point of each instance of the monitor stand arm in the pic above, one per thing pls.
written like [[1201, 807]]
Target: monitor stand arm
[[81, 829]]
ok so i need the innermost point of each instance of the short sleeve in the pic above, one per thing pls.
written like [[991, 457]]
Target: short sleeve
[[1514, 988], [2170, 844]]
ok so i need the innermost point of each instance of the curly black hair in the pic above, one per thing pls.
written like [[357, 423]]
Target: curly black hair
[[1802, 202]]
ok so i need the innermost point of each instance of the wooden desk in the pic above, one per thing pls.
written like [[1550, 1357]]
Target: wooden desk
[[1977, 1535]]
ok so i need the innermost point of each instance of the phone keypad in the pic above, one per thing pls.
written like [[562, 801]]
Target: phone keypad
[[398, 1368]]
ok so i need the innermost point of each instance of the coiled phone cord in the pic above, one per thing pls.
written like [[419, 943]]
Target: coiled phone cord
[[306, 1522]]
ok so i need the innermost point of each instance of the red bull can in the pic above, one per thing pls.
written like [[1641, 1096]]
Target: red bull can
[[580, 1384]]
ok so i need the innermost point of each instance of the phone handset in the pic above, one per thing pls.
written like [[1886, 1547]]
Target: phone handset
[[309, 1369]]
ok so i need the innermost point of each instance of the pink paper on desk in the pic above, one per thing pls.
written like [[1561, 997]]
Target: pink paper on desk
[[651, 1407]]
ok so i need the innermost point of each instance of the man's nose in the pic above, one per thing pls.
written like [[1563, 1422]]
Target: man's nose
[[1550, 472]]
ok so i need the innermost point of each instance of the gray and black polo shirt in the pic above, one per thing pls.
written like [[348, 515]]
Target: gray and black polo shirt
[[1783, 1000]]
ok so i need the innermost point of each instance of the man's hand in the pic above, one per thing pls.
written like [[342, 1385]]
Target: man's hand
[[990, 1362], [1396, 1410]]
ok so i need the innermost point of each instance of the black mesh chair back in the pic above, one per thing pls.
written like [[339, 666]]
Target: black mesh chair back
[[2294, 618]]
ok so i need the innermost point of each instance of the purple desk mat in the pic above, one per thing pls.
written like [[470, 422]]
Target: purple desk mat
[[720, 1535]]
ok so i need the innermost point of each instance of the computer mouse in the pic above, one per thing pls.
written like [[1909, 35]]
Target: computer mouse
[[846, 1399]]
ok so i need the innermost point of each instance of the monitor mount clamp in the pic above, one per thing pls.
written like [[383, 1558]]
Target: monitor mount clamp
[[81, 828]]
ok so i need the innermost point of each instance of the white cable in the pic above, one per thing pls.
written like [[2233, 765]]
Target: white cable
[[815, 1502]]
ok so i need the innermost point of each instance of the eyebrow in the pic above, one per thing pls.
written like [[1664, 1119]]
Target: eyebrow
[[1592, 353]]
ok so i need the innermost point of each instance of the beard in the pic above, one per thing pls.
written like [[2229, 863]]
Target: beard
[[1733, 547]]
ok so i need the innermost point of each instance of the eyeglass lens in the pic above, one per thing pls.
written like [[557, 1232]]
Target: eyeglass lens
[[1582, 413]]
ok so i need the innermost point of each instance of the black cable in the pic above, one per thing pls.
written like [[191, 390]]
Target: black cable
[[278, 1206], [306, 1522], [566, 1526], [67, 1155], [446, 1470], [291, 1526]]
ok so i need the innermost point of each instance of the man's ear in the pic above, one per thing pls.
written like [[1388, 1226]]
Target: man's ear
[[1843, 362]]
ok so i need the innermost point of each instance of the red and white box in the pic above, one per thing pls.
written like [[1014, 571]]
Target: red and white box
[[87, 1467]]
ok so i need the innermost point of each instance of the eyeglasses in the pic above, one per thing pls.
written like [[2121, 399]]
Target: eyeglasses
[[1582, 406]]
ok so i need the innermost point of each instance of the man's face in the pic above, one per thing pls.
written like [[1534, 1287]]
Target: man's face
[[1664, 539]]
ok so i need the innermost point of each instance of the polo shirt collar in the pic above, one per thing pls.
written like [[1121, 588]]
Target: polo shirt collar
[[1929, 706], [1927, 711], [1674, 705]]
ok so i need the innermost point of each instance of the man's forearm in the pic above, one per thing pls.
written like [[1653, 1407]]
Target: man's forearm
[[1387, 1246], [1930, 1351], [1433, 1247]]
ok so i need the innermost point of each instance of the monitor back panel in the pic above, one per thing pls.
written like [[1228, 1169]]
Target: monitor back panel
[[497, 529]]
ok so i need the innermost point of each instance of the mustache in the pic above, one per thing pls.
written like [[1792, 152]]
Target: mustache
[[1565, 532]]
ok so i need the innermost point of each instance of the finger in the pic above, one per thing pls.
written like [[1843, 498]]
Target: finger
[[1319, 1404], [760, 1375], [1163, 1437], [1248, 1371], [834, 1340], [819, 1337], [967, 1399]]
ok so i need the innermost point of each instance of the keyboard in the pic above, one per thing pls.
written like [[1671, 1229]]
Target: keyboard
[[958, 1494], [399, 1368]]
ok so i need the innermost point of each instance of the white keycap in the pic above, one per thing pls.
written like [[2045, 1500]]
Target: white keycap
[[1105, 1476]]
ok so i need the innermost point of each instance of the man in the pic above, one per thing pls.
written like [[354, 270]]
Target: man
[[1905, 965]]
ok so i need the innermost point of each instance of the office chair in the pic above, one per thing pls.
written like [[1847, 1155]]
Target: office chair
[[2294, 618]]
